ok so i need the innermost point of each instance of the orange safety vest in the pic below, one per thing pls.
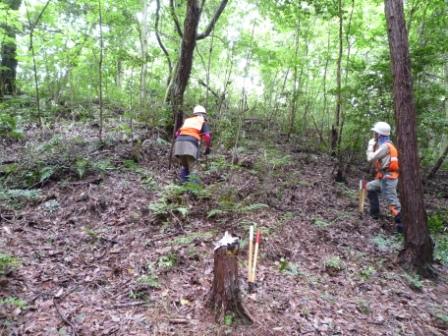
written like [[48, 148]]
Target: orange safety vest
[[392, 170], [192, 126]]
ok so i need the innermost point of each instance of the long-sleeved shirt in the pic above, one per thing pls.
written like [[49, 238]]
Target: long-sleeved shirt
[[381, 153]]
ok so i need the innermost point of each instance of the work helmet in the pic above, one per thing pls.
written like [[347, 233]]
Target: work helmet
[[199, 109], [382, 128]]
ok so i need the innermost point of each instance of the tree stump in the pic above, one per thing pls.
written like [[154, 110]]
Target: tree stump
[[224, 298]]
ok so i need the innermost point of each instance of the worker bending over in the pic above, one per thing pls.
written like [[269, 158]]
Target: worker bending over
[[194, 130], [384, 155]]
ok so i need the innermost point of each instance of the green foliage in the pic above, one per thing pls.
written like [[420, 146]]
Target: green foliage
[[17, 198], [149, 280], [167, 262], [229, 319], [319, 223], [8, 126], [440, 316], [333, 264], [387, 243], [54, 160], [226, 207], [438, 221], [189, 238], [414, 281], [441, 248], [8, 263], [271, 160], [288, 267], [367, 272], [13, 301], [174, 199]]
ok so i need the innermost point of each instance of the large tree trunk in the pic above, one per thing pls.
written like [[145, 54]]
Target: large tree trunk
[[8, 63], [179, 81], [418, 248], [185, 63]]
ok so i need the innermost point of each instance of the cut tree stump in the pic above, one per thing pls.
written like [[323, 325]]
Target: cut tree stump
[[224, 298]]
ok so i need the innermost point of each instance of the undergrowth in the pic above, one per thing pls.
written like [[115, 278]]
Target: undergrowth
[[55, 159]]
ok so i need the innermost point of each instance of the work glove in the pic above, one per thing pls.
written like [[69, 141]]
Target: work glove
[[207, 151]]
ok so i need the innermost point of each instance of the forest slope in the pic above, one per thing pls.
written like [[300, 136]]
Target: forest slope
[[110, 246]]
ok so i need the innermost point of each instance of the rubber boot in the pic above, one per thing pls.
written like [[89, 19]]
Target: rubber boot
[[398, 224], [374, 204], [184, 174]]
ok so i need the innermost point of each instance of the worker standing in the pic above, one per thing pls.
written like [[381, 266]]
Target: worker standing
[[194, 131], [384, 155]]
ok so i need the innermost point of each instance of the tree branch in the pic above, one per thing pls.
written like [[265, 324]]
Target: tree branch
[[176, 20], [159, 40], [215, 18], [39, 16], [213, 92]]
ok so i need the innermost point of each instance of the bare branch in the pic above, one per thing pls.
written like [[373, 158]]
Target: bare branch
[[170, 66], [213, 92], [176, 20], [215, 18]]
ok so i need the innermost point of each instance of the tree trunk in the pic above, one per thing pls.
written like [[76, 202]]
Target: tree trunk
[[100, 71], [8, 63], [185, 63], [224, 298], [324, 85], [182, 71], [33, 55], [335, 129], [295, 88], [418, 248], [144, 52], [438, 163]]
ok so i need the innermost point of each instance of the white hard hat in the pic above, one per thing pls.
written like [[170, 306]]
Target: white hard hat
[[198, 109], [382, 128]]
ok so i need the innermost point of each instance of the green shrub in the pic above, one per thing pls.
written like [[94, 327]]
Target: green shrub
[[7, 263], [333, 264], [438, 221], [13, 301], [8, 126], [413, 281], [387, 243], [441, 249]]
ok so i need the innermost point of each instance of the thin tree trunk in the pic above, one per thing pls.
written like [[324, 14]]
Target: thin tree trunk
[[324, 83], [100, 70], [159, 41], [347, 64], [279, 93], [144, 51], [8, 64], [208, 67], [418, 248], [336, 126], [31, 47], [36, 81], [292, 117], [438, 163]]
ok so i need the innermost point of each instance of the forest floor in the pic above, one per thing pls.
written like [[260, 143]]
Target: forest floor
[[105, 245]]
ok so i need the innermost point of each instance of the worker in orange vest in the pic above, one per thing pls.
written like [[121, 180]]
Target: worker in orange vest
[[189, 137], [384, 155]]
